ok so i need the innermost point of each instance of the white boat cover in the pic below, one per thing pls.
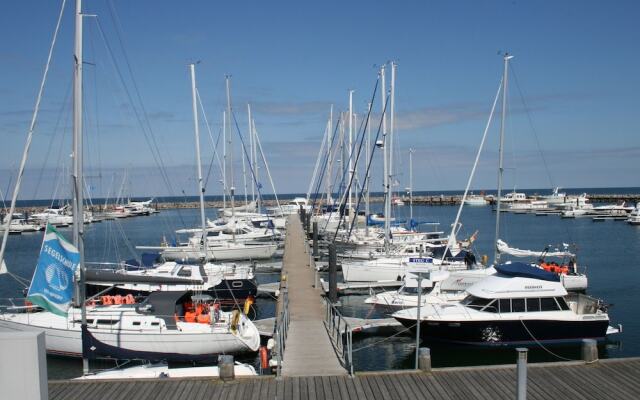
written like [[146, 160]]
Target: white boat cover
[[505, 249]]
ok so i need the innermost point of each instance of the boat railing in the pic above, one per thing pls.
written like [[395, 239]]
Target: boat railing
[[340, 333], [282, 329]]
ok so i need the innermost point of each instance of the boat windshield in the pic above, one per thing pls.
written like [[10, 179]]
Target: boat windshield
[[414, 290]]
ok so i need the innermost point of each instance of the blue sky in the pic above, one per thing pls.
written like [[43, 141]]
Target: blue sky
[[575, 63]]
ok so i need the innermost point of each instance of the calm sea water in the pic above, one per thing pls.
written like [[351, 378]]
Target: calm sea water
[[608, 250]]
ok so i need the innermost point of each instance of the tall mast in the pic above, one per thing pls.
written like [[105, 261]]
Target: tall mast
[[196, 130], [350, 152], [224, 159], [392, 104], [387, 200], [77, 178], [232, 188], [256, 166], [252, 165], [410, 185], [506, 57], [368, 175], [329, 160]]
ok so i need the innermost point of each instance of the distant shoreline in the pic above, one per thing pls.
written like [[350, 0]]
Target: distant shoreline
[[418, 199]]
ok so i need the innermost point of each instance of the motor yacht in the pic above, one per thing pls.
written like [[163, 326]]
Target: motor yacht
[[520, 304]]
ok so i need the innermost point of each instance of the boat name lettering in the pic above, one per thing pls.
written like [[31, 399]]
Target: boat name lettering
[[420, 260], [533, 286]]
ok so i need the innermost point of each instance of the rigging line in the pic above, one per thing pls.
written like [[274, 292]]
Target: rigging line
[[214, 146], [361, 195], [143, 119], [251, 167], [339, 172], [27, 146], [317, 163], [533, 129], [64, 106], [323, 169]]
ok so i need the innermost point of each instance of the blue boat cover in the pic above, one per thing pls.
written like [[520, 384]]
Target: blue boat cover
[[523, 270]]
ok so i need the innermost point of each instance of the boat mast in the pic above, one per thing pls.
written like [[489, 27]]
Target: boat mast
[[196, 130], [392, 104], [350, 153], [368, 175], [387, 200], [256, 166], [329, 160], [224, 160], [410, 185], [506, 58], [77, 177], [252, 165], [232, 188]]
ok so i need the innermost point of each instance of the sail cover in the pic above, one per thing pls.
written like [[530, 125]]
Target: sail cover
[[52, 284], [505, 249]]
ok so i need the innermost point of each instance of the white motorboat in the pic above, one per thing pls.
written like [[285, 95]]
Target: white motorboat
[[513, 197], [518, 305], [20, 224], [634, 216], [53, 216], [162, 370], [529, 205], [439, 287], [173, 326], [556, 197], [289, 208], [476, 200]]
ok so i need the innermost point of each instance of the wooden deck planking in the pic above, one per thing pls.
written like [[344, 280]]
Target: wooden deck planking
[[307, 312], [618, 379]]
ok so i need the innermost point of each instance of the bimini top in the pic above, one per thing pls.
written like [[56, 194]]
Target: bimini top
[[523, 270]]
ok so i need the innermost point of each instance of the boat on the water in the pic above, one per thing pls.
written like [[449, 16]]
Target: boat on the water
[[163, 370], [172, 326], [519, 305]]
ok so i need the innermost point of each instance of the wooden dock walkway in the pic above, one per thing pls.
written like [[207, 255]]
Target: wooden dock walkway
[[308, 350], [606, 379]]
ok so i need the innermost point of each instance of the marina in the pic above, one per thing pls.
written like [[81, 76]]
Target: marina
[[157, 241]]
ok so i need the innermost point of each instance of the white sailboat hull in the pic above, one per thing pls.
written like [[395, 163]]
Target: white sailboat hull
[[63, 337]]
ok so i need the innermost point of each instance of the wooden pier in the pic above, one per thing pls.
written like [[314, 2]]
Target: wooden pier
[[308, 349], [605, 379]]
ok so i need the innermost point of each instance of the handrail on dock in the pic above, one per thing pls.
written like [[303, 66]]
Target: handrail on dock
[[282, 329], [341, 335]]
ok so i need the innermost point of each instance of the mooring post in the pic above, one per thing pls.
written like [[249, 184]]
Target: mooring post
[[424, 359], [225, 366], [521, 388], [315, 239], [308, 224], [333, 274], [589, 350], [24, 366]]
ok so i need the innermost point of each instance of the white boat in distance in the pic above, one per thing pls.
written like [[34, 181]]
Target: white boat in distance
[[53, 216], [634, 216], [476, 200], [224, 251]]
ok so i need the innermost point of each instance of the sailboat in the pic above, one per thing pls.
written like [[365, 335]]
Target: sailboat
[[165, 326]]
